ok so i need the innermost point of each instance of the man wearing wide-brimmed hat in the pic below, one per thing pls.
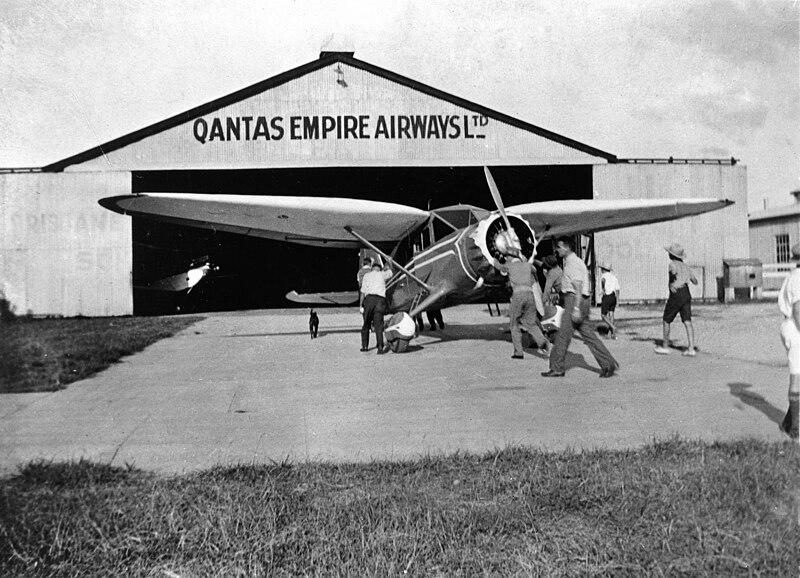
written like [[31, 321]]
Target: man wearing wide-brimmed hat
[[680, 299], [789, 304]]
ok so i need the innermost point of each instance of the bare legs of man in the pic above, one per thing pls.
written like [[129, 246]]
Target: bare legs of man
[[791, 423], [690, 350]]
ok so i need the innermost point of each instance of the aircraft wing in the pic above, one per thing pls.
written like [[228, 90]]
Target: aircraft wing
[[556, 218], [318, 221], [179, 282]]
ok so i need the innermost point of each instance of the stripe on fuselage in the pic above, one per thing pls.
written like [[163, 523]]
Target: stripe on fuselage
[[416, 263], [413, 266], [461, 258]]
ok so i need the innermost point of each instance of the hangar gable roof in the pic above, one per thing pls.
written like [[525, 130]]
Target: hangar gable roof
[[334, 110]]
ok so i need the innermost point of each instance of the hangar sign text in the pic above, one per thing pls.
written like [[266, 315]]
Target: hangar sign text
[[339, 127]]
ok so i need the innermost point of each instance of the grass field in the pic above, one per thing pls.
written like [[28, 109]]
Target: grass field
[[48, 354], [671, 509]]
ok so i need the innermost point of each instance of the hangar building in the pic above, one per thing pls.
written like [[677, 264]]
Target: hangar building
[[337, 127]]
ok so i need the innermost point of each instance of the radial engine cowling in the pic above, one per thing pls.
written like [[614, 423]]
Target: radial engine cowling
[[491, 241]]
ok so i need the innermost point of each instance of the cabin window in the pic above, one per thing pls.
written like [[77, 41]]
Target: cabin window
[[782, 248]]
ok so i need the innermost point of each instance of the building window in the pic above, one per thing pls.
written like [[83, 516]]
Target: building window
[[782, 248]]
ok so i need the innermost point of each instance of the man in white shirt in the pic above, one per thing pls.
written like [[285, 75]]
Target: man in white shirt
[[366, 267], [608, 305], [373, 286], [576, 292], [789, 304]]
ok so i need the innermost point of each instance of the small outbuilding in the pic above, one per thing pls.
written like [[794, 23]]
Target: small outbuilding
[[772, 234]]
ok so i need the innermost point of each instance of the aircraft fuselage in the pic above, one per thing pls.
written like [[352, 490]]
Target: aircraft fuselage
[[462, 266]]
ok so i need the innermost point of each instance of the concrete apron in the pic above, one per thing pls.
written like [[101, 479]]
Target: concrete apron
[[252, 387]]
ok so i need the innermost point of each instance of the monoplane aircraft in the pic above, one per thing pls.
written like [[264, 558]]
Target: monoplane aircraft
[[185, 280], [182, 291], [462, 267]]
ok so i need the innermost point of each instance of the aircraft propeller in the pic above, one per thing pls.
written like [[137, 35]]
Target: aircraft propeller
[[509, 242]]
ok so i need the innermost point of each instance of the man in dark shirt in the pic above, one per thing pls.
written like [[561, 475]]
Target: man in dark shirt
[[522, 308]]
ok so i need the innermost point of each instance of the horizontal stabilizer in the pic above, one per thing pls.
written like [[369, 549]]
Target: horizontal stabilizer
[[317, 221], [557, 218], [330, 298]]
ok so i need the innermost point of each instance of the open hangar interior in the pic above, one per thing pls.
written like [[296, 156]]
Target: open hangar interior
[[62, 254], [256, 273]]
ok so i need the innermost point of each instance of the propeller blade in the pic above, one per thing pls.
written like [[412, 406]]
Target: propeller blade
[[510, 234], [496, 196]]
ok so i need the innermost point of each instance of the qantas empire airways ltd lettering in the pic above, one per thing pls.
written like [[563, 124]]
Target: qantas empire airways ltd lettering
[[340, 127]]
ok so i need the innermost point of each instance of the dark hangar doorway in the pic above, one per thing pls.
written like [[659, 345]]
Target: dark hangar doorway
[[257, 273]]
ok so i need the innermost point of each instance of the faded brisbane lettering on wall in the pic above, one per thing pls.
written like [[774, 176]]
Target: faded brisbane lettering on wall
[[50, 223], [341, 127]]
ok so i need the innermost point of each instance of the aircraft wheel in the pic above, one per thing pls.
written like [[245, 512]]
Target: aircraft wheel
[[399, 345]]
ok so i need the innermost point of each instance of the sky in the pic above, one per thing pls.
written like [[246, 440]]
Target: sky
[[681, 78]]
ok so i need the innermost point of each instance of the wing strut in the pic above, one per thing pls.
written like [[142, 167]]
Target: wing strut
[[430, 300], [422, 283]]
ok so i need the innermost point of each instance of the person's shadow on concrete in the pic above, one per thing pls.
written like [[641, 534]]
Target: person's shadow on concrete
[[754, 400], [575, 360]]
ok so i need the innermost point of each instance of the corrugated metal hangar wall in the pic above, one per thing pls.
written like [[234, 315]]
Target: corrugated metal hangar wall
[[637, 253], [336, 126], [60, 252]]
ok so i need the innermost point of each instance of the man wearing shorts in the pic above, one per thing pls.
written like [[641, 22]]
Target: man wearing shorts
[[680, 299], [789, 304], [608, 304]]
